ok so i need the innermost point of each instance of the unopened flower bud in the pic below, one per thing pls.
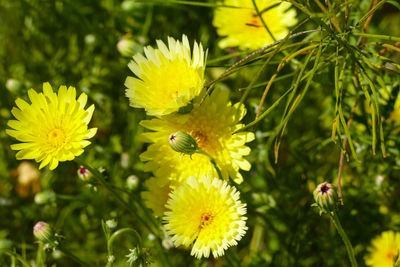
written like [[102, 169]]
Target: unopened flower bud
[[84, 174], [132, 182], [326, 197], [13, 85], [127, 47], [43, 232], [183, 143], [45, 197]]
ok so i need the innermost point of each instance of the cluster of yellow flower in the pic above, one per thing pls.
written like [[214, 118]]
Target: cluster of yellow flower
[[197, 207]]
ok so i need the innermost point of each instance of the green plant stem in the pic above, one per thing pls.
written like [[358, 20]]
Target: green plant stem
[[102, 180], [346, 240], [17, 256], [200, 151], [378, 36], [72, 256], [117, 233], [109, 187]]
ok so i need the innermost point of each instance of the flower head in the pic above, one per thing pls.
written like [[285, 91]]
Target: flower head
[[213, 125], [384, 249], [326, 197], [53, 128], [168, 78], [242, 26], [208, 213]]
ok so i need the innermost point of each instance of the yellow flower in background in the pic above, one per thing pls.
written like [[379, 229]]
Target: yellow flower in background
[[383, 250], [208, 213], [395, 115], [158, 193], [213, 125], [167, 78], [242, 26], [53, 128]]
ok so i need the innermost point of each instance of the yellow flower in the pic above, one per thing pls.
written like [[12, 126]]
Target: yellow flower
[[208, 213], [53, 128], [158, 193], [243, 27], [383, 250], [212, 123], [167, 78]]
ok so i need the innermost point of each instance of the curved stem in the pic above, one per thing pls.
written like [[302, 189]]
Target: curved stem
[[119, 232], [345, 238]]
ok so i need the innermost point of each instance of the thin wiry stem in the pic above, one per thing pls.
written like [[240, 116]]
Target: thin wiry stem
[[259, 51], [353, 109]]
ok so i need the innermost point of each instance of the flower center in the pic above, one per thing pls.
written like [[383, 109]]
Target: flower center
[[390, 256], [254, 22], [206, 219], [202, 140], [324, 189], [56, 137]]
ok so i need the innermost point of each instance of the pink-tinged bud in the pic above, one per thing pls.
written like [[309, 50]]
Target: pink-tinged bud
[[128, 47], [84, 174], [183, 143], [326, 197], [43, 232]]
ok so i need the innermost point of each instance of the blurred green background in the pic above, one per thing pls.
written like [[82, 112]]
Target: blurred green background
[[74, 43]]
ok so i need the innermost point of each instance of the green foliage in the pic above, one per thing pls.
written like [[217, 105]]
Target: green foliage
[[338, 80]]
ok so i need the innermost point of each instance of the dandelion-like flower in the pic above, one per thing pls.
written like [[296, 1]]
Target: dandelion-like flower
[[242, 26], [168, 78], [213, 124], [208, 213], [53, 128], [384, 249]]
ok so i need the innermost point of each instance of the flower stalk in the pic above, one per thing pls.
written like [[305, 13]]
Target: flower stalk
[[345, 238]]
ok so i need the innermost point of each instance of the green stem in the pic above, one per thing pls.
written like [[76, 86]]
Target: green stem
[[109, 187], [346, 240], [378, 36], [16, 256], [72, 256], [102, 180], [200, 151]]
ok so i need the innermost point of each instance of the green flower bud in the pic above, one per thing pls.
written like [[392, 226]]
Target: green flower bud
[[132, 182], [45, 197], [183, 143], [43, 232], [326, 197], [128, 47]]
